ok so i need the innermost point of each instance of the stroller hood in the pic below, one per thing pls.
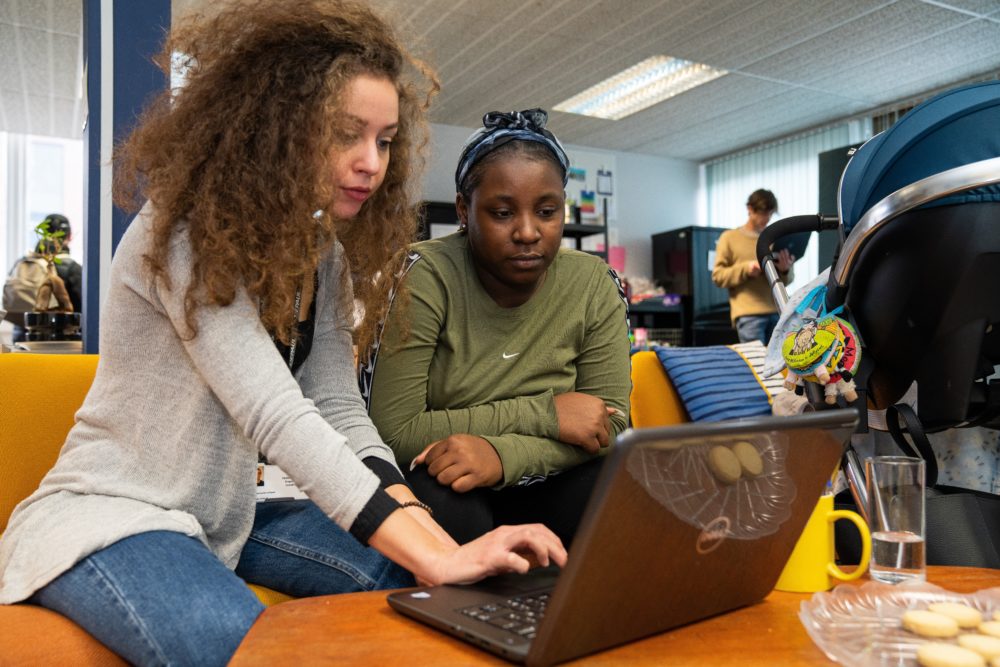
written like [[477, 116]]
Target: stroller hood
[[952, 129]]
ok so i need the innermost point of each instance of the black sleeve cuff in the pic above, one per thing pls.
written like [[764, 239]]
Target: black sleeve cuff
[[387, 473], [380, 506]]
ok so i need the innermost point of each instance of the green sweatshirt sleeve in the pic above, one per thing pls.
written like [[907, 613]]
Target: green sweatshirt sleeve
[[398, 404], [520, 456], [603, 370]]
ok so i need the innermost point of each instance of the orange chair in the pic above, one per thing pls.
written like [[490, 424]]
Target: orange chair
[[654, 401], [41, 394]]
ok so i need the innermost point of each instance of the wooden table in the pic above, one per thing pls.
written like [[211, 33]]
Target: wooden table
[[361, 629]]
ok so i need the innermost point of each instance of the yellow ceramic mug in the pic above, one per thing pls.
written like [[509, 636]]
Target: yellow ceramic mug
[[812, 565]]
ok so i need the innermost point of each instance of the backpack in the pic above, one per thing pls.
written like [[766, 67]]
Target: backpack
[[21, 287]]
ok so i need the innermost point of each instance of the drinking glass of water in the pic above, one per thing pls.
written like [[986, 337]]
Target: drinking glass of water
[[896, 518]]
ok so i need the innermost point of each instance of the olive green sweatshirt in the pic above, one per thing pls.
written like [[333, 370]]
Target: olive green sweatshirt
[[470, 366]]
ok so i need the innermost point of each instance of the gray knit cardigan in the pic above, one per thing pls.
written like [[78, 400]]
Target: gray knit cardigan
[[167, 438]]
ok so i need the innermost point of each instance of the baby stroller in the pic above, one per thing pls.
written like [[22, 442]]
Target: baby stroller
[[917, 275]]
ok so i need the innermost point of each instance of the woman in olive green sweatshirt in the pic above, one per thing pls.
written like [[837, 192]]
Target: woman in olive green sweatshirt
[[505, 378]]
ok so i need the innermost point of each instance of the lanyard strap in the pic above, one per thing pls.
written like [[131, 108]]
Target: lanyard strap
[[295, 340]]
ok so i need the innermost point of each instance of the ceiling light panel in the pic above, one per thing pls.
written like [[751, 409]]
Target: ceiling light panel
[[639, 87]]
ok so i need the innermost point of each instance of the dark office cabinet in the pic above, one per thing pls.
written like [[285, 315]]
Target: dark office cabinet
[[682, 264], [436, 219], [831, 168]]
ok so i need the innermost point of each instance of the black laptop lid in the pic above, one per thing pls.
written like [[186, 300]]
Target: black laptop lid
[[666, 539]]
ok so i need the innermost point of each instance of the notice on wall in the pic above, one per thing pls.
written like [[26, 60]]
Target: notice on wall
[[598, 171]]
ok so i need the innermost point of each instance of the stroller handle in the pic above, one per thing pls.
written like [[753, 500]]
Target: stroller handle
[[784, 227]]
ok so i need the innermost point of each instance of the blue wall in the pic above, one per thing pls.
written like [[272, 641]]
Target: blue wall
[[137, 34]]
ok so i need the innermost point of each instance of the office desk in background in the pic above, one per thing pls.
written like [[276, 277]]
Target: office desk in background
[[45, 347], [678, 324], [664, 324], [361, 629]]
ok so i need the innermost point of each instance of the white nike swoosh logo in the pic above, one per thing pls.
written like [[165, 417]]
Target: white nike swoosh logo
[[510, 356]]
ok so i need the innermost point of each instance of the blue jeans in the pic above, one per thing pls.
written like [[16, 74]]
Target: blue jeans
[[294, 548], [756, 327], [162, 598]]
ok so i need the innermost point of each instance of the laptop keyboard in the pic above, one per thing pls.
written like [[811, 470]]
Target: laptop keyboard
[[520, 615]]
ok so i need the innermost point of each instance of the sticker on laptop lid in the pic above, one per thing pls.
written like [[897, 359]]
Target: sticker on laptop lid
[[749, 499]]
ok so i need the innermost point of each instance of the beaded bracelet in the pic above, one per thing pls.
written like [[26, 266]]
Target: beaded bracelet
[[417, 503]]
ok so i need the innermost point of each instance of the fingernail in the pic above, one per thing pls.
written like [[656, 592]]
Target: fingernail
[[413, 464]]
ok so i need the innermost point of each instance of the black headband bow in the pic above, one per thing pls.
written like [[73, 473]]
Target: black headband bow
[[531, 119]]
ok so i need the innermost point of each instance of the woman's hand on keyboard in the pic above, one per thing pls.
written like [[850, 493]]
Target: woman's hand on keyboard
[[504, 549], [407, 542]]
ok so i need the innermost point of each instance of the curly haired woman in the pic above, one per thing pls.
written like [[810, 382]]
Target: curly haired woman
[[276, 182]]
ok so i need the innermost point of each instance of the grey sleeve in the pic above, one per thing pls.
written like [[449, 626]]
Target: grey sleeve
[[329, 375], [240, 364]]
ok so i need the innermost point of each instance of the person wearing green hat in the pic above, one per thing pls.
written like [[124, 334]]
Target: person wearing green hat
[[29, 272]]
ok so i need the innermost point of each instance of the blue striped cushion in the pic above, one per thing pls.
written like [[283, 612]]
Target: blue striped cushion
[[714, 382]]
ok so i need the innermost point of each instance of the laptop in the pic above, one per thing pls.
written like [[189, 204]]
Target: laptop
[[668, 537]]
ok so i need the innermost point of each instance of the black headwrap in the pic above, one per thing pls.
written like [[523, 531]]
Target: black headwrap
[[500, 128]]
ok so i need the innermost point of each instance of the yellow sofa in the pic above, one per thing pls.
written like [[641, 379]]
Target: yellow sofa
[[654, 401], [41, 394]]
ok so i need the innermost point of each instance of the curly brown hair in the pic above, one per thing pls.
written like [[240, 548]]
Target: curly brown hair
[[238, 155]]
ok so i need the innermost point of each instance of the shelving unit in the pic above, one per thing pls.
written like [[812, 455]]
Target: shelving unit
[[664, 323], [579, 232]]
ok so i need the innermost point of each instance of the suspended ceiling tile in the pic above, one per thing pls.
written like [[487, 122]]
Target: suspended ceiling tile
[[794, 62], [10, 73], [859, 42], [965, 51], [66, 72], [770, 28], [32, 13], [640, 26], [741, 128], [942, 80], [980, 7], [67, 17], [727, 94], [486, 86], [36, 61]]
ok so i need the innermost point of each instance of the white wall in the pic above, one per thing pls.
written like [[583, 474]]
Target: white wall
[[652, 194], [445, 146]]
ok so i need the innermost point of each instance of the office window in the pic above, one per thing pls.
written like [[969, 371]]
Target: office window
[[790, 169], [38, 176], [5, 198]]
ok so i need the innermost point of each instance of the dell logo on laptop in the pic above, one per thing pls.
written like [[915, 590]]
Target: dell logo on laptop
[[713, 535]]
